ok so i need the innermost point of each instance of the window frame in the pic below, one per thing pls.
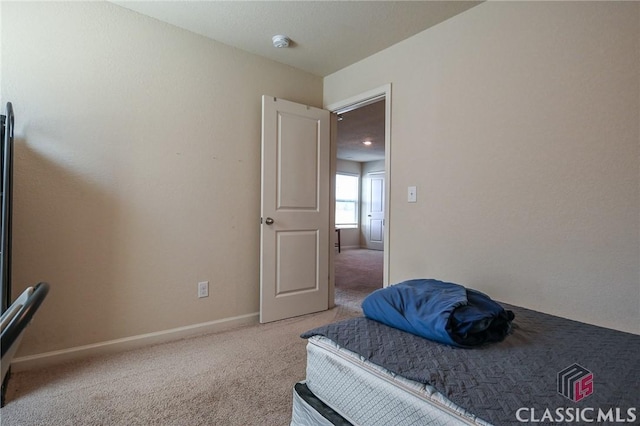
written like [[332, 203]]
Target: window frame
[[356, 202]]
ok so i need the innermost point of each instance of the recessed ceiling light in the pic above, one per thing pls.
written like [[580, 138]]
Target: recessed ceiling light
[[367, 143]]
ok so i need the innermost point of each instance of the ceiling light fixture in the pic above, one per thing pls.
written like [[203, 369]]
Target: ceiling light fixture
[[280, 41], [367, 143]]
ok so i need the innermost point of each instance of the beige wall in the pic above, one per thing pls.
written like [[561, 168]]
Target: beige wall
[[519, 124], [137, 169]]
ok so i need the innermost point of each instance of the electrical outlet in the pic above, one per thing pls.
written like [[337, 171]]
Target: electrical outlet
[[203, 289]]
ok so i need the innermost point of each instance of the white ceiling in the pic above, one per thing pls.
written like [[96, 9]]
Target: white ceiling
[[327, 35]]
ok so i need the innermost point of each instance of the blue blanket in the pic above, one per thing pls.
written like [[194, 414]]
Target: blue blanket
[[445, 312]]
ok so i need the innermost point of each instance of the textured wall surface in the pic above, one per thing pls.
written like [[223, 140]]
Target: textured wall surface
[[519, 123], [137, 170]]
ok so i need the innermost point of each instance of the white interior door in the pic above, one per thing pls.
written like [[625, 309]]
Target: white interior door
[[374, 214], [294, 231]]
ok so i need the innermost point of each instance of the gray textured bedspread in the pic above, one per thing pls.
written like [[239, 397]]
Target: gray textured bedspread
[[516, 379]]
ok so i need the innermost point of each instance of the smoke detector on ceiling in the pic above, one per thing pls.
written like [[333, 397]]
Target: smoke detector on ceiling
[[280, 41]]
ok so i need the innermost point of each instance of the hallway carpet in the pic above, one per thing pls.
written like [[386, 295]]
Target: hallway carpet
[[358, 272]]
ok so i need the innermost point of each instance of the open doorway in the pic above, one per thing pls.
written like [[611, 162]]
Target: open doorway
[[360, 202]]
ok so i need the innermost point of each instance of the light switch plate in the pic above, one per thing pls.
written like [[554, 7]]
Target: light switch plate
[[412, 195]]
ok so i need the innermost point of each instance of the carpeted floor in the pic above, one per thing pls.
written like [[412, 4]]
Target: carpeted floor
[[238, 377], [358, 273]]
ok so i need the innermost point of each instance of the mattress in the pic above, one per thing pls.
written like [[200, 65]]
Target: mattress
[[366, 394], [309, 410], [549, 369]]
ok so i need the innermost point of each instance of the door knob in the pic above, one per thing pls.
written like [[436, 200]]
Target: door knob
[[269, 221]]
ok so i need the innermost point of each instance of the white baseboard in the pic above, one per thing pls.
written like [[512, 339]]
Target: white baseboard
[[30, 362], [350, 247]]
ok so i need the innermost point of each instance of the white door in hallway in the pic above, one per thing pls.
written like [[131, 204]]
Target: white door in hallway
[[294, 230], [374, 214]]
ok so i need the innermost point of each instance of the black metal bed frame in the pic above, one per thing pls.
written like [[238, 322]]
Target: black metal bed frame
[[17, 315], [20, 317], [6, 186], [7, 202]]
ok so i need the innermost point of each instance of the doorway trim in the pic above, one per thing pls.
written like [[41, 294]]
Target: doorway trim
[[349, 104]]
